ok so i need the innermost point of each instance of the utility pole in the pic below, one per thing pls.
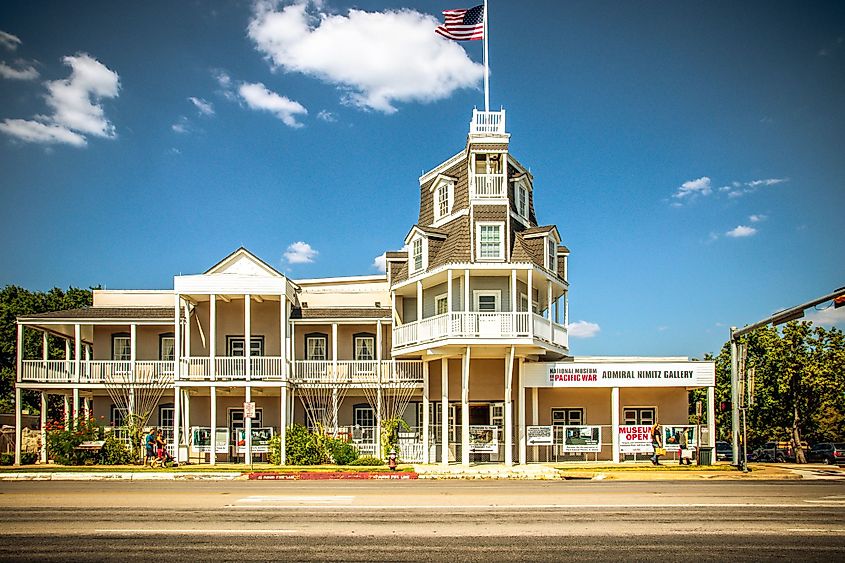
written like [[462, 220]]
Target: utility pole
[[778, 318]]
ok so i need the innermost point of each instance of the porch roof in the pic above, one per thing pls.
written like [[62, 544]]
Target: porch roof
[[100, 314]]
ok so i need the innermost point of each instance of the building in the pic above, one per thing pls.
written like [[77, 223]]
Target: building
[[464, 338]]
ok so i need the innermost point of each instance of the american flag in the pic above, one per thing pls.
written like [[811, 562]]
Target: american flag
[[463, 25]]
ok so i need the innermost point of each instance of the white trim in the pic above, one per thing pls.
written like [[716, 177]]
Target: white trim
[[449, 185], [451, 217], [438, 299], [496, 293], [445, 164], [478, 227]]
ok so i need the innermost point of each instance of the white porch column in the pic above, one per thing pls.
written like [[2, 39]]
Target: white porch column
[[44, 426], [465, 408], [77, 358], [535, 415], [509, 407], [530, 290], [444, 412], [45, 348], [186, 422], [467, 302], [18, 424], [133, 357], [379, 388], [614, 422], [566, 308], [425, 415], [549, 299], [419, 300], [212, 457], [520, 405], [177, 366], [75, 409], [248, 392], [334, 367], [711, 417], [514, 297], [283, 418], [68, 418], [212, 343], [449, 307]]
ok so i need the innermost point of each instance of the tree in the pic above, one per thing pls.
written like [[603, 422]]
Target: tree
[[14, 302]]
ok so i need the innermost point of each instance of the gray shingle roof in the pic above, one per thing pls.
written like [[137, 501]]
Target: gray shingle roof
[[340, 313], [104, 313]]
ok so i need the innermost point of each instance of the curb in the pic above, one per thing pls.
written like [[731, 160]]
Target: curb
[[118, 476], [331, 475]]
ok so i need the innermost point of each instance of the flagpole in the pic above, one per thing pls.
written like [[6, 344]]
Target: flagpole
[[486, 64]]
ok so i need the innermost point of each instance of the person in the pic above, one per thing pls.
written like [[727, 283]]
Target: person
[[683, 444], [150, 446], [162, 456], [656, 442]]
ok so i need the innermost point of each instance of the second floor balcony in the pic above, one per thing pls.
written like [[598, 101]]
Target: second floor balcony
[[485, 326]]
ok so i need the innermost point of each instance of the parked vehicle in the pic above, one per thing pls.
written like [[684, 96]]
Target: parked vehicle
[[724, 451], [829, 453], [778, 452]]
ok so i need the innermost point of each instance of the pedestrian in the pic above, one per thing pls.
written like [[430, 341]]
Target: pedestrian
[[683, 444], [161, 444], [150, 446], [657, 443]]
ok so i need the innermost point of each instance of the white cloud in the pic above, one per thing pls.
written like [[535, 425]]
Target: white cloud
[[380, 262], [741, 231], [27, 72], [203, 106], [376, 58], [757, 218], [583, 329], [826, 317], [327, 116], [300, 253], [9, 41], [742, 188], [693, 188], [75, 102], [258, 97], [181, 125]]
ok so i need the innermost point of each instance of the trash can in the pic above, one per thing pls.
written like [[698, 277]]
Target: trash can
[[705, 456]]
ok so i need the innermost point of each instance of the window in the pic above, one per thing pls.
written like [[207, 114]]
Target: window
[[116, 416], [443, 200], [166, 347], [363, 415], [551, 254], [490, 241], [441, 304], [640, 416], [487, 301], [364, 347], [315, 346], [568, 417], [236, 346], [523, 303], [418, 255], [521, 200], [121, 347]]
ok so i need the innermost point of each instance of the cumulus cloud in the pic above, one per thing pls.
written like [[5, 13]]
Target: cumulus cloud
[[300, 253], [741, 231], [693, 188], [26, 72], [9, 41], [75, 102], [739, 189], [375, 58], [181, 125], [203, 107], [380, 262], [258, 97], [583, 329], [757, 218]]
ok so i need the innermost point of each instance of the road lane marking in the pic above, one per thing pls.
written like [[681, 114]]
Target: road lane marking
[[282, 499], [202, 531], [362, 507]]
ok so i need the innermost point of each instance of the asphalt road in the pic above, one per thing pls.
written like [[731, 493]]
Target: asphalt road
[[423, 520]]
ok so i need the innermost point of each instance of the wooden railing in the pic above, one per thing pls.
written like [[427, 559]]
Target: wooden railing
[[488, 186], [490, 122], [357, 372], [479, 325]]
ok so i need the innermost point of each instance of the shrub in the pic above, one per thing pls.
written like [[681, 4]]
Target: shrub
[[115, 452], [62, 441], [275, 453], [303, 447], [367, 460], [390, 429], [342, 452]]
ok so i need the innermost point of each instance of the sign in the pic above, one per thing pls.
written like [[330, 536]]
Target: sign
[[620, 374], [539, 435], [201, 440], [635, 440], [672, 437], [260, 440], [484, 439], [582, 439], [249, 409]]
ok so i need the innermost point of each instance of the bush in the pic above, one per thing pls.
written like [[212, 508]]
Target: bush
[[367, 460], [61, 441], [115, 452], [303, 447], [27, 458], [342, 452]]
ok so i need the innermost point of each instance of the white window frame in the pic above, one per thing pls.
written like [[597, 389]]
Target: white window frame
[[479, 227], [439, 200], [412, 255], [478, 293], [361, 338], [551, 254], [523, 303], [125, 347], [256, 346], [444, 299], [360, 412], [317, 338], [522, 207], [637, 419], [162, 339]]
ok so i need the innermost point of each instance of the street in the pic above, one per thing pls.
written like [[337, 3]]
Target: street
[[422, 520]]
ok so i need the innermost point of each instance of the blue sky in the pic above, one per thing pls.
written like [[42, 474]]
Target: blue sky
[[691, 153]]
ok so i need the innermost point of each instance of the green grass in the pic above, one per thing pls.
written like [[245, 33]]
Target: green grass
[[623, 467], [204, 468]]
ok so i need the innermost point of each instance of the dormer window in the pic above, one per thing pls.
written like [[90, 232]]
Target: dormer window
[[491, 241], [444, 197], [521, 196], [417, 254], [551, 254]]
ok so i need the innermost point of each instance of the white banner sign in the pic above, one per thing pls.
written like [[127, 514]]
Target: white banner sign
[[622, 374], [539, 435], [635, 440], [484, 439], [201, 440], [582, 439]]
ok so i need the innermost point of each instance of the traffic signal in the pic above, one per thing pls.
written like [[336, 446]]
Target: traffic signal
[[839, 302], [725, 406]]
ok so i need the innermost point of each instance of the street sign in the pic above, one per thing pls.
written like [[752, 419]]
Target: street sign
[[249, 409]]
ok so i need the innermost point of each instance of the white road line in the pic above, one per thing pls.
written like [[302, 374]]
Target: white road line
[[519, 506], [334, 499], [176, 532]]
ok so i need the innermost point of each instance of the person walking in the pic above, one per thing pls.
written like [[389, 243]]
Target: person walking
[[150, 446], [656, 443], [683, 444]]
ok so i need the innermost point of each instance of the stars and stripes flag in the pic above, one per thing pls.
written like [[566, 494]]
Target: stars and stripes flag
[[463, 25]]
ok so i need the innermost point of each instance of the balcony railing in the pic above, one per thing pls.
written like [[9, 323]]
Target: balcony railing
[[479, 325], [487, 122], [487, 186], [357, 372], [96, 371]]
